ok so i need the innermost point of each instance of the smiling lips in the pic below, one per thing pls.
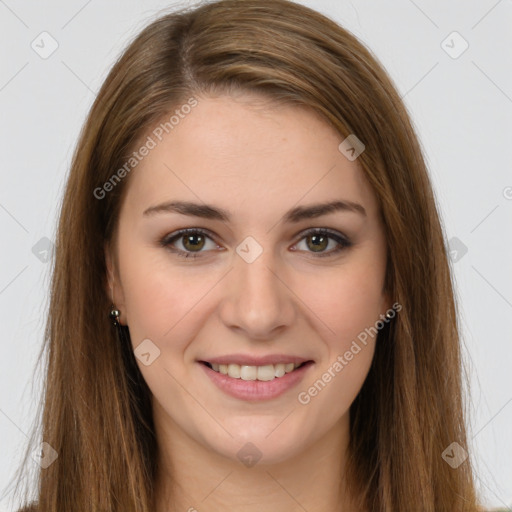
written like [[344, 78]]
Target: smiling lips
[[251, 368], [248, 360], [256, 378], [256, 383], [246, 372], [248, 368]]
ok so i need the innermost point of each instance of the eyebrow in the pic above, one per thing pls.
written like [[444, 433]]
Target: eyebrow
[[294, 215]]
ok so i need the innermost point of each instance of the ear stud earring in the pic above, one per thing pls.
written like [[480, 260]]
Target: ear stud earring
[[114, 314]]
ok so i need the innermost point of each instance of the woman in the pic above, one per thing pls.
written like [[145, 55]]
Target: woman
[[251, 303]]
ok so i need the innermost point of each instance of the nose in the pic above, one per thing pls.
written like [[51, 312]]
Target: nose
[[257, 299]]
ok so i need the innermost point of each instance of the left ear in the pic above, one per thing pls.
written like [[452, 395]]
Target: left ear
[[113, 284]]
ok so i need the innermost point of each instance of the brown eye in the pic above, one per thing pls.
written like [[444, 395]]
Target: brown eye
[[193, 242], [317, 240]]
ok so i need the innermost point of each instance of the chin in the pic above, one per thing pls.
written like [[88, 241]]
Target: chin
[[262, 444]]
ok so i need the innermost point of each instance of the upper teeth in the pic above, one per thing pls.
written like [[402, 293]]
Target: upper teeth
[[267, 372]]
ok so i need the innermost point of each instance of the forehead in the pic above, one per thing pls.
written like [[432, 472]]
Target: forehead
[[245, 153]]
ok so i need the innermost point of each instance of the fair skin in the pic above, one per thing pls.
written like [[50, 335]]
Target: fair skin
[[256, 161]]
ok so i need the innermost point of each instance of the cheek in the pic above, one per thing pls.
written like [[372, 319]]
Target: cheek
[[347, 317], [347, 304], [156, 296], [334, 387], [346, 301], [165, 302]]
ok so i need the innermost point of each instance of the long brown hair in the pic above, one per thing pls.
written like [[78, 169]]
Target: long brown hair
[[96, 408]]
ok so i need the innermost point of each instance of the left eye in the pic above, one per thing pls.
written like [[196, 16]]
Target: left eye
[[319, 238], [193, 240]]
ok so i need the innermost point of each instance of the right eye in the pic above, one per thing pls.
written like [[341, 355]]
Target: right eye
[[190, 239]]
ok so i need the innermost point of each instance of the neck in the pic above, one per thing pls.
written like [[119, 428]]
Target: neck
[[192, 478]]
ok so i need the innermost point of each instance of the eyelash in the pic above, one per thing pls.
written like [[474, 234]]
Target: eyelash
[[166, 242]]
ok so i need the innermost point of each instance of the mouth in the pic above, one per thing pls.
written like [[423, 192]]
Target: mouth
[[264, 382], [263, 373]]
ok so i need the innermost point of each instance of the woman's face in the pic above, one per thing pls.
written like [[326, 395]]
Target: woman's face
[[250, 280]]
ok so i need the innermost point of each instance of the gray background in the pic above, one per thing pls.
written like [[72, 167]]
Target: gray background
[[460, 104]]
